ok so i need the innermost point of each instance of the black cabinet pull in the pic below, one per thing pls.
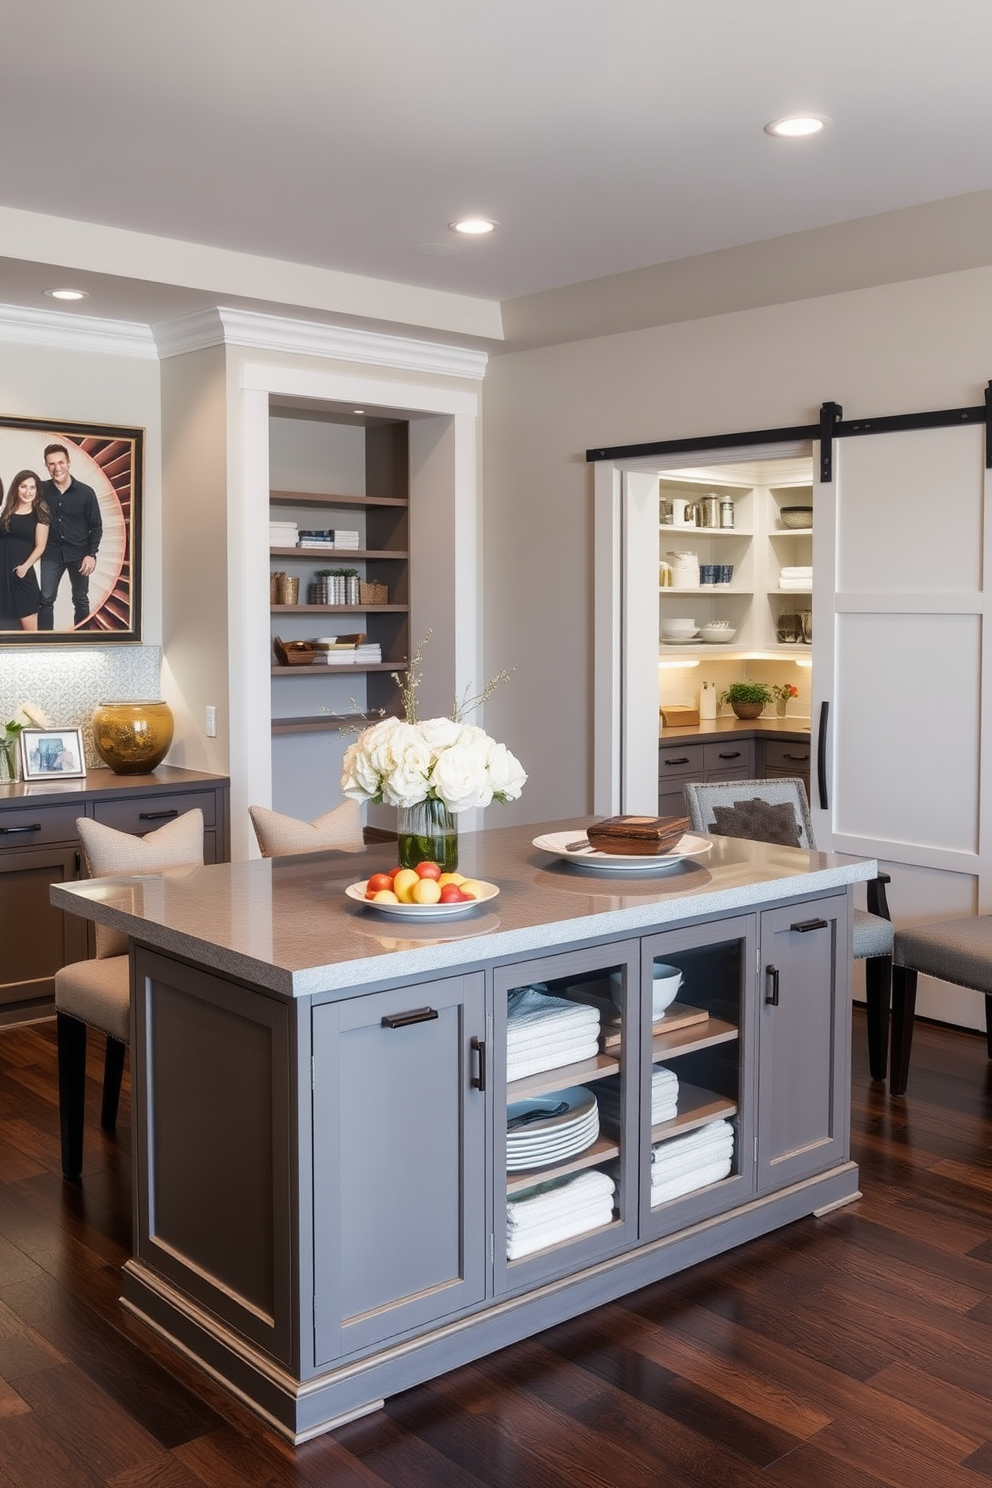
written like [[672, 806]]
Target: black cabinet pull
[[415, 1015], [821, 756], [9, 831], [156, 815], [683, 761], [771, 989], [735, 755], [803, 925], [479, 1047], [800, 759]]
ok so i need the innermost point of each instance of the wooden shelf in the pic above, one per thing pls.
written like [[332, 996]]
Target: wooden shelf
[[696, 1108], [320, 669], [600, 1151], [324, 723], [339, 553], [561, 1078], [329, 609], [315, 498], [695, 1036]]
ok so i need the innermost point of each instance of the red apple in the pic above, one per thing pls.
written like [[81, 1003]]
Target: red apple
[[428, 870]]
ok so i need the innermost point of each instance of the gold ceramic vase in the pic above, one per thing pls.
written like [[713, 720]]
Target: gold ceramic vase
[[132, 738]]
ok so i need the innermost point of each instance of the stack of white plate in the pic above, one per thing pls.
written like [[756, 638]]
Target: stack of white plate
[[550, 1128]]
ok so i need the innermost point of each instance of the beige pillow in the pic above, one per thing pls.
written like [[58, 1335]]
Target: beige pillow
[[280, 836], [109, 853]]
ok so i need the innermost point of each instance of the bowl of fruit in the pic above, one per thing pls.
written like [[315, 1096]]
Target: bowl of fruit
[[423, 892]]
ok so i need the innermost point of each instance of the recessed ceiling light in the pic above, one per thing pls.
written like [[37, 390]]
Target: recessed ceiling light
[[796, 126], [67, 294], [474, 227], [358, 410]]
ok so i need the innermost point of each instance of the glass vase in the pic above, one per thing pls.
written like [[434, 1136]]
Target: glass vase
[[8, 761], [781, 704], [426, 833]]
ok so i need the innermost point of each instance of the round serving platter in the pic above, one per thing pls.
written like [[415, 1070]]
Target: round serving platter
[[563, 845], [356, 891]]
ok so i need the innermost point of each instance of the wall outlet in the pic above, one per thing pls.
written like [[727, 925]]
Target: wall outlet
[[211, 723]]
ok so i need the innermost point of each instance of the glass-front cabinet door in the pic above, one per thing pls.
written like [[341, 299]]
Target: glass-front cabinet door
[[697, 1142], [568, 1093]]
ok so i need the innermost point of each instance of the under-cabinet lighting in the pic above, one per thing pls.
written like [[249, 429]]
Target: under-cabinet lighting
[[67, 294], [796, 126], [474, 227], [806, 661], [675, 665]]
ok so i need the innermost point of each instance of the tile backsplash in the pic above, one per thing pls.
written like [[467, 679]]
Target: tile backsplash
[[68, 682]]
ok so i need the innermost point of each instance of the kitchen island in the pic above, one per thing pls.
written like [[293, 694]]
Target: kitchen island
[[323, 1192]]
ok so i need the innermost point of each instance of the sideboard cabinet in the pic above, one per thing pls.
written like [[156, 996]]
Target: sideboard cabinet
[[39, 846]]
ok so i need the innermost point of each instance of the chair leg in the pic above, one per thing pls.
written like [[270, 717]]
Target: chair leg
[[71, 1039], [988, 1022], [113, 1071], [903, 1009], [878, 990]]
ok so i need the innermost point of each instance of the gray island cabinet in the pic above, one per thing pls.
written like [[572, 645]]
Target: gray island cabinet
[[329, 1207]]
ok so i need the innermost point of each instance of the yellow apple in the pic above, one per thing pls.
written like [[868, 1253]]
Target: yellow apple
[[384, 896], [426, 891], [451, 878], [472, 888], [404, 884]]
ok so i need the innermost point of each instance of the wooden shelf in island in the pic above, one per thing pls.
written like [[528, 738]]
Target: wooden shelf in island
[[562, 1078], [600, 1151], [696, 1108], [694, 1036]]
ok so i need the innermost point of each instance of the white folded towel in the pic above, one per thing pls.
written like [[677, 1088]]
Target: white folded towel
[[674, 1188], [797, 571], [796, 586], [552, 1038], [662, 1172], [554, 1058], [525, 1242], [528, 1010], [558, 1197], [715, 1134], [661, 1112]]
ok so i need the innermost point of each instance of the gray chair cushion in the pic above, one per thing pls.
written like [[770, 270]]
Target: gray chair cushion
[[758, 821], [958, 951], [872, 935], [786, 796], [97, 993]]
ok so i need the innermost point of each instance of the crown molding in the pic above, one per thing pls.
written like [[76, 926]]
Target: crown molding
[[67, 332], [226, 327]]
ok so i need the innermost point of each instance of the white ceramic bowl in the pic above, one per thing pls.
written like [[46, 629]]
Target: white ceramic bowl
[[665, 984], [678, 627], [717, 633]]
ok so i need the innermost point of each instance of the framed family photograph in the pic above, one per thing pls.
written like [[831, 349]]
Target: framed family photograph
[[70, 531], [52, 754]]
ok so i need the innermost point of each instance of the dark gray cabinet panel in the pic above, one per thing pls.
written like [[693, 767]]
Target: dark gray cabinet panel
[[729, 758], [784, 757], [37, 938], [399, 1152], [804, 1048]]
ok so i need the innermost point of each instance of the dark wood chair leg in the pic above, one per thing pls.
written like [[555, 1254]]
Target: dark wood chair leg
[[988, 1023], [878, 991], [903, 1010], [113, 1072], [71, 1039]]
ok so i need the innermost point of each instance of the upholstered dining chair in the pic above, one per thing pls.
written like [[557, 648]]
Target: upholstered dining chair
[[957, 951], [97, 994], [282, 836], [777, 811]]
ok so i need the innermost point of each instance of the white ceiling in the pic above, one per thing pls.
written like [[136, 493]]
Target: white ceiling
[[604, 135]]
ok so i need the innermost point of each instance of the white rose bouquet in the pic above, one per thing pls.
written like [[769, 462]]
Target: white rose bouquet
[[28, 715]]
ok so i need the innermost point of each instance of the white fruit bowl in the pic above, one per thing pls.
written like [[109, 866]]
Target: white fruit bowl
[[717, 634]]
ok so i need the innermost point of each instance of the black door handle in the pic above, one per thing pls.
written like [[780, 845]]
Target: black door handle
[[9, 831], [403, 1020], [799, 759], [736, 754], [478, 1046], [771, 989], [156, 815], [821, 755], [666, 763], [803, 925]]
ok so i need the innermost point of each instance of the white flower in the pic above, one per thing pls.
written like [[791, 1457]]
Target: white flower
[[459, 778], [440, 733], [506, 774], [30, 715], [359, 780]]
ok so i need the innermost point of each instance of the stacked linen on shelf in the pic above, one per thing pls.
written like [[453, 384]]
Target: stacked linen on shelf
[[797, 578], [545, 1032], [683, 1164], [664, 1096], [557, 1210]]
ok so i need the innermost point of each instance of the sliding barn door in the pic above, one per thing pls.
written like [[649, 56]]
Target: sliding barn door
[[901, 674]]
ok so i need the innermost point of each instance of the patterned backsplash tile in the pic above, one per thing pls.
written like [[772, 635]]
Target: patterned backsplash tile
[[69, 682]]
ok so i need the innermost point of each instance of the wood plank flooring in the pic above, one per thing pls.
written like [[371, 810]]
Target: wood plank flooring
[[849, 1352]]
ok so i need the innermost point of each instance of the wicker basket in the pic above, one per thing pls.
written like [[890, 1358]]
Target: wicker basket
[[274, 586], [373, 594], [287, 589]]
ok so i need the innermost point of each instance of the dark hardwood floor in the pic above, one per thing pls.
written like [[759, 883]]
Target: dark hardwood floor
[[850, 1351]]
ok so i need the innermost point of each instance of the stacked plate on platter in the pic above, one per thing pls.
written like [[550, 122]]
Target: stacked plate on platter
[[550, 1128]]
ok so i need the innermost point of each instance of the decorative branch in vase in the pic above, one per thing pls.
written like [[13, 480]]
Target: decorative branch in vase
[[431, 770]]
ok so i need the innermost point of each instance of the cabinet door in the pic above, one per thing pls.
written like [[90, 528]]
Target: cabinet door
[[697, 1074], [37, 938], [399, 1161], [804, 1043]]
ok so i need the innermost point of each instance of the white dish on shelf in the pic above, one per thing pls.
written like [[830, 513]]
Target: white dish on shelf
[[559, 843], [682, 640], [356, 892]]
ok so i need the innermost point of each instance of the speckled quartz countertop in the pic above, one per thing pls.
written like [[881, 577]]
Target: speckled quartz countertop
[[287, 926]]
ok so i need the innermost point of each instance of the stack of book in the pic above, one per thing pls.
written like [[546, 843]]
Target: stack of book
[[332, 652], [315, 537], [283, 535], [343, 539]]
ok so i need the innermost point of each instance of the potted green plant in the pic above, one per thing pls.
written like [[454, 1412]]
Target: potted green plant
[[747, 698]]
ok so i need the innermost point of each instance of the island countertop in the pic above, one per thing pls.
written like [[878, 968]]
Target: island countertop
[[285, 924]]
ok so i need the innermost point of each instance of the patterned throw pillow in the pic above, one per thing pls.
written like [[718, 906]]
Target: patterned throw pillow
[[281, 836], [109, 853], [758, 821]]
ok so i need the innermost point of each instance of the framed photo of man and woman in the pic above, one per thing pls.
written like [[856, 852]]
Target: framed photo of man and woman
[[70, 532]]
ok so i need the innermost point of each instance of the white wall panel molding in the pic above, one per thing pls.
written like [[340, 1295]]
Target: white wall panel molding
[[921, 603], [397, 398], [64, 331], [223, 326]]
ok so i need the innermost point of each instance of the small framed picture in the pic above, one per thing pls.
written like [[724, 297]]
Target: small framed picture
[[52, 754]]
